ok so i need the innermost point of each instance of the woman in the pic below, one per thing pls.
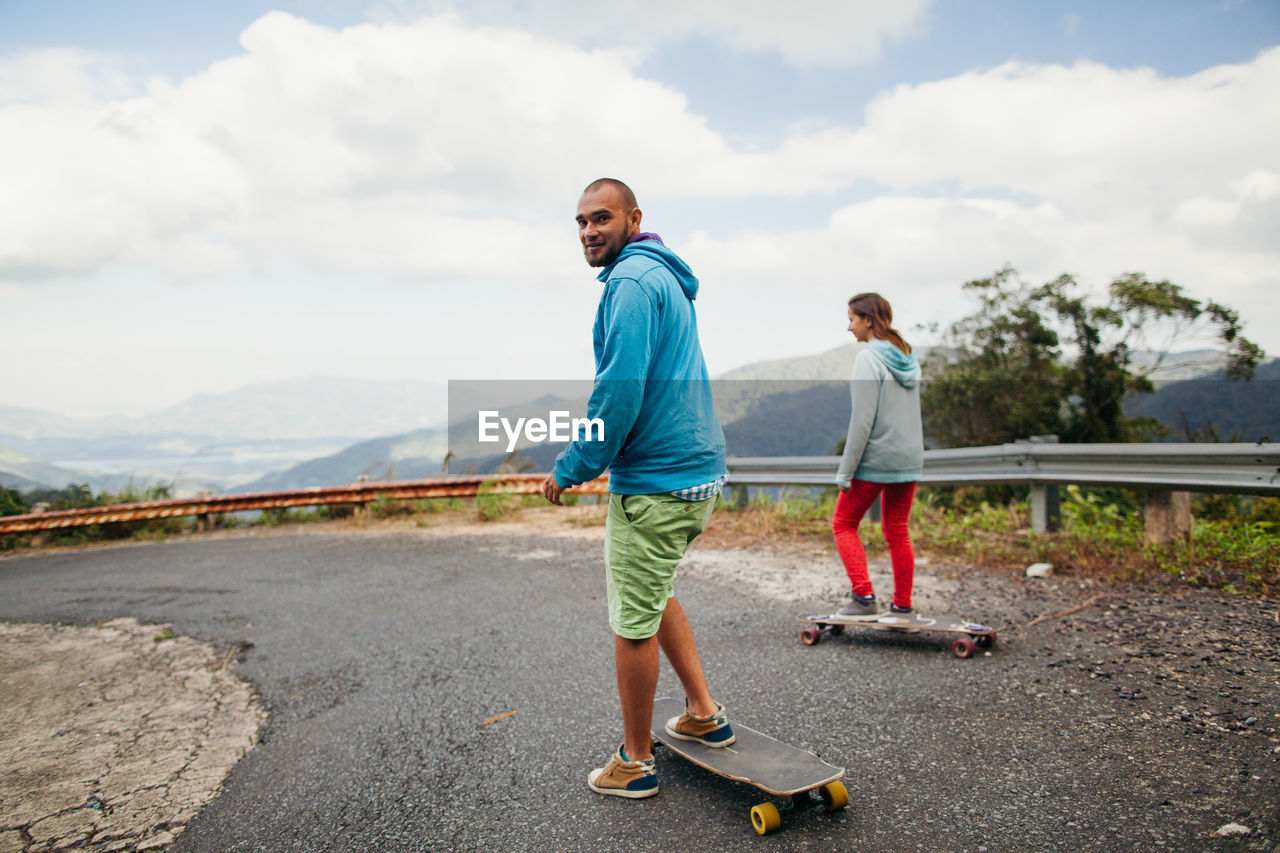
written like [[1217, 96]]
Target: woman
[[883, 453]]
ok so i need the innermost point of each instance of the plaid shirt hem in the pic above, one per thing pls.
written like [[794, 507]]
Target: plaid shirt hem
[[701, 493]]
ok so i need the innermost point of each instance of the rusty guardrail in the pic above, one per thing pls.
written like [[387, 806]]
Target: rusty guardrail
[[1247, 468], [356, 493]]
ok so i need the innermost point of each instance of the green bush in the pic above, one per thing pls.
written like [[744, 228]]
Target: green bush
[[11, 503], [492, 506], [276, 516], [1234, 543]]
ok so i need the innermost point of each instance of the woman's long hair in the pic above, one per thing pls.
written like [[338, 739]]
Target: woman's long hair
[[875, 309]]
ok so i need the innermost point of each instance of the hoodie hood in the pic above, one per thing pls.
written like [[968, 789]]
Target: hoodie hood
[[651, 246], [905, 368]]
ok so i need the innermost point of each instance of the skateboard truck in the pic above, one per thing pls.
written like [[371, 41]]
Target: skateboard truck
[[756, 759], [767, 816]]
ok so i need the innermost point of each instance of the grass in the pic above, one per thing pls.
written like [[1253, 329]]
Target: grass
[[789, 521], [1236, 549], [1101, 536]]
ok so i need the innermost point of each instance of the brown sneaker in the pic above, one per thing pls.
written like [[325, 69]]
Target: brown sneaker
[[623, 778], [713, 730]]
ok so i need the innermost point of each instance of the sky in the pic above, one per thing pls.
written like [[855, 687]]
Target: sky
[[195, 197]]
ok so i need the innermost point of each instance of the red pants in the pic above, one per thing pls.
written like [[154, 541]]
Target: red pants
[[895, 509]]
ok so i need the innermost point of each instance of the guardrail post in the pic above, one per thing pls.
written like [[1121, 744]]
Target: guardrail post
[[1045, 507], [204, 520], [739, 496], [1167, 517], [40, 538], [1045, 501]]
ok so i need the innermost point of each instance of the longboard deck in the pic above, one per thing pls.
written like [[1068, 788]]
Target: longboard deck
[[892, 622], [754, 758], [972, 635]]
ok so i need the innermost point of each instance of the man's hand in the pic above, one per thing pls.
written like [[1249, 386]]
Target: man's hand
[[551, 490]]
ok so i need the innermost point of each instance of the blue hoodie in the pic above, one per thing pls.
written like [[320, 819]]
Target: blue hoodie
[[652, 391], [885, 443]]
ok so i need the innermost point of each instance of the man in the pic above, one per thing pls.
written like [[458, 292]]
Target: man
[[665, 450]]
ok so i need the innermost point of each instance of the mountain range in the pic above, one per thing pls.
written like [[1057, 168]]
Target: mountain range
[[326, 430], [211, 442], [315, 407], [1209, 408]]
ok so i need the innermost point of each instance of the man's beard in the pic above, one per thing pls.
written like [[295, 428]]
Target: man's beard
[[610, 255]]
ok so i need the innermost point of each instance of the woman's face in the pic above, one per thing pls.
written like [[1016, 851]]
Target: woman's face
[[859, 326]]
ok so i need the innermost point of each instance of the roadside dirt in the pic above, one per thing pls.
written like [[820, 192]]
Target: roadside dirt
[[113, 737]]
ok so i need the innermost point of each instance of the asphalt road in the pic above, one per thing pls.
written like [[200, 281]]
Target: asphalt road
[[1143, 724]]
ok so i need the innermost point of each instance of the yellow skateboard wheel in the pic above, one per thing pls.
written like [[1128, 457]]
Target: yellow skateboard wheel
[[766, 818], [835, 796]]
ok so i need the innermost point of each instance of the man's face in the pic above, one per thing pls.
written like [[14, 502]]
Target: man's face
[[605, 225]]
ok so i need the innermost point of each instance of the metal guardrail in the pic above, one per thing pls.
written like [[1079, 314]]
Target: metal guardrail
[[357, 493], [1241, 468], [1159, 468]]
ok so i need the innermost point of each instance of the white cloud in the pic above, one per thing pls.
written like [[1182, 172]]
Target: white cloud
[[1088, 134], [66, 76], [917, 251], [1085, 170], [450, 154], [377, 127], [404, 148]]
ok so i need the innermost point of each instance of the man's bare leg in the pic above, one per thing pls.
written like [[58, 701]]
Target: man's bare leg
[[636, 663], [675, 636]]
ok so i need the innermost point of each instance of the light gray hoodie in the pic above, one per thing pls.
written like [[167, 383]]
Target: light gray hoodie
[[885, 443]]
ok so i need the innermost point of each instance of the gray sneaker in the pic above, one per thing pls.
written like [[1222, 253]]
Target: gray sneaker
[[908, 620], [860, 608]]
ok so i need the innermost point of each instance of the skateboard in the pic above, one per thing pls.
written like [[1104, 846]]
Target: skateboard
[[772, 766], [973, 636]]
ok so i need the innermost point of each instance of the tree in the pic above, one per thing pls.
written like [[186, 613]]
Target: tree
[[1046, 360], [11, 503]]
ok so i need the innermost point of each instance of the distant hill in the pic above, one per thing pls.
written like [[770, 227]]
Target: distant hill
[[1194, 409], [316, 407], [797, 416], [409, 456], [1177, 366], [22, 472], [796, 419], [796, 406], [32, 423], [305, 408], [837, 363], [781, 408], [212, 441], [17, 482], [834, 363]]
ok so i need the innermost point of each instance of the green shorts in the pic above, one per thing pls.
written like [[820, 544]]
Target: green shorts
[[645, 537]]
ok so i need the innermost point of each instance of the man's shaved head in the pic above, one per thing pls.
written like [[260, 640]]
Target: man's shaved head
[[625, 194]]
